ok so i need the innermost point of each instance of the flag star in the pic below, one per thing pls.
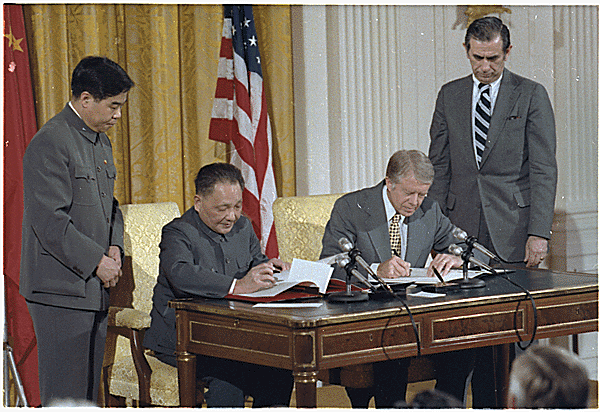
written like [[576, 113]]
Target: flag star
[[233, 30], [13, 42], [258, 59], [247, 22], [252, 41]]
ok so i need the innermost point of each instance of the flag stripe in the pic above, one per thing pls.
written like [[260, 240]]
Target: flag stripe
[[240, 116]]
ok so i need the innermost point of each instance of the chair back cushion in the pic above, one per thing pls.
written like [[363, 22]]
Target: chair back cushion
[[143, 227], [300, 223]]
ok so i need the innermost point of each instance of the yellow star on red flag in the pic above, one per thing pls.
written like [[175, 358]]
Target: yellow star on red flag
[[13, 41]]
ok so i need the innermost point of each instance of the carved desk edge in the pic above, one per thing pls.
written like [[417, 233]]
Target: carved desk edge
[[291, 318]]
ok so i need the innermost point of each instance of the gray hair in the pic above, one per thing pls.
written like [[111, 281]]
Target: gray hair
[[403, 162], [548, 377]]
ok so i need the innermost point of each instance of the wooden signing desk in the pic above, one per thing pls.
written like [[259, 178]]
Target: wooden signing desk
[[309, 340]]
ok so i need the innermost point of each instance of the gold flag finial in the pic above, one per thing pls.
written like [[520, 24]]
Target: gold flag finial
[[475, 12]]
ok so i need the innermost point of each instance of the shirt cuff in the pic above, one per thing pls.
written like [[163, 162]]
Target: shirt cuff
[[232, 287]]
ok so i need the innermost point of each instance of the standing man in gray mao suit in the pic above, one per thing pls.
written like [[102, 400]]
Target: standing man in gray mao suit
[[73, 232], [493, 145]]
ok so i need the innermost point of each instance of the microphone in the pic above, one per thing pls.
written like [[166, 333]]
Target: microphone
[[472, 241], [457, 250], [354, 253], [344, 263]]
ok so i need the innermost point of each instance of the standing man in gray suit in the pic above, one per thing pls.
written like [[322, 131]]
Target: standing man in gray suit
[[73, 232], [495, 162], [493, 145], [366, 218]]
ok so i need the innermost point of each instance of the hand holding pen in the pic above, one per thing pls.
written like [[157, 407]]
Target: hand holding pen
[[394, 268]]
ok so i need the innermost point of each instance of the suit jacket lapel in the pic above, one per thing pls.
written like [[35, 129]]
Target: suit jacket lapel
[[414, 248], [507, 98], [464, 94], [376, 220]]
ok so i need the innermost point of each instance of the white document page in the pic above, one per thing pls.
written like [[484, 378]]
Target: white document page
[[301, 271], [419, 276]]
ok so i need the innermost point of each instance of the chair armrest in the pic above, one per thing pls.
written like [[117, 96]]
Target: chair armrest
[[128, 318]]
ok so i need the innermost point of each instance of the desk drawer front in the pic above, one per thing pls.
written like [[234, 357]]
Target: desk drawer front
[[372, 339], [241, 340], [477, 326], [579, 314]]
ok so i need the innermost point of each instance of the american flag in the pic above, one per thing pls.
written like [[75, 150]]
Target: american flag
[[239, 116]]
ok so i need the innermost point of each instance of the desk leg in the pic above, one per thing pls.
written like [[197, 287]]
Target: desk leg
[[502, 360], [306, 389], [186, 368]]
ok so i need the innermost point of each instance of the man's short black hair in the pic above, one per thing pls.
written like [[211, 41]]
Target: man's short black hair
[[208, 176], [487, 29], [100, 77]]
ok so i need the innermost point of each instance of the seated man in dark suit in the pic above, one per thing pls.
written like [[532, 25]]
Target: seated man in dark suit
[[211, 251], [398, 208]]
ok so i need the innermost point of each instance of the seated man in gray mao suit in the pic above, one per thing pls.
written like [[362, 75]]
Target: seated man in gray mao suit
[[211, 251], [366, 218]]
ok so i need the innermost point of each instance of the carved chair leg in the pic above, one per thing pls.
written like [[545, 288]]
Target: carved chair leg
[[141, 366]]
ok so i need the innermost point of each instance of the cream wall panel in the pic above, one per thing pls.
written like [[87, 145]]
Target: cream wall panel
[[310, 100]]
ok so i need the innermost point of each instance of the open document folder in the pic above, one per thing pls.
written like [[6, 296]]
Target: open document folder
[[419, 277], [316, 274]]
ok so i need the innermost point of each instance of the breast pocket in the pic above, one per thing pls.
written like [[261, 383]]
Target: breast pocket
[[111, 172], [85, 187], [523, 198]]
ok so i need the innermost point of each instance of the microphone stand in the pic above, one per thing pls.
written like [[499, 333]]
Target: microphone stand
[[465, 282], [348, 295]]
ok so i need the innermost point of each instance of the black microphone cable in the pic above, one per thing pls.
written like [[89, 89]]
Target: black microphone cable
[[472, 241], [354, 254], [412, 320], [503, 275]]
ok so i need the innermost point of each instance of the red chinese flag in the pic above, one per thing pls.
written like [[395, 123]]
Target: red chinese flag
[[19, 128]]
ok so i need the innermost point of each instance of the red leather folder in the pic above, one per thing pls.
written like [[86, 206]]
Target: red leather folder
[[298, 292]]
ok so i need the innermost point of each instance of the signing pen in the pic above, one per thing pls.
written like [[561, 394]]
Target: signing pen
[[395, 252], [438, 275]]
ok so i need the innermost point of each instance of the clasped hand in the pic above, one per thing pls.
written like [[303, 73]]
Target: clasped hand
[[260, 276], [109, 268]]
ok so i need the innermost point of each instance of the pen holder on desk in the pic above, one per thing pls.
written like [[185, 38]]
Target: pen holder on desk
[[441, 287], [401, 290]]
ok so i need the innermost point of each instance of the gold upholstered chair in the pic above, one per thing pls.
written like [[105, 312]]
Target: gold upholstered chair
[[300, 223], [130, 374]]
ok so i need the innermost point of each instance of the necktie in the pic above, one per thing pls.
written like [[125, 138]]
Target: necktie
[[395, 240], [483, 114]]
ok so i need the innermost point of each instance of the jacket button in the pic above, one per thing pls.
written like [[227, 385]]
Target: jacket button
[[99, 169], [227, 260], [103, 194]]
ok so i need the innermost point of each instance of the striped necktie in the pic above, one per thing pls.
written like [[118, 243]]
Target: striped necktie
[[483, 114], [395, 239]]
